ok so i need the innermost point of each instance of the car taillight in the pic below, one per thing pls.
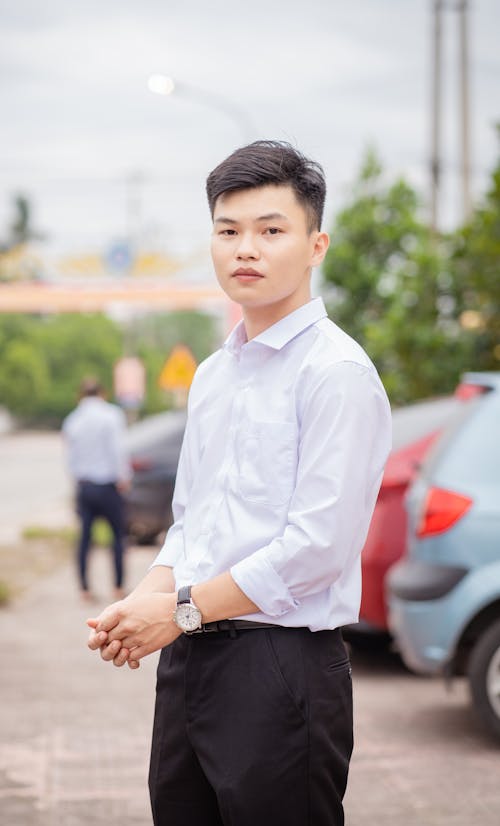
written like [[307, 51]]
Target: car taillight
[[442, 509], [466, 391]]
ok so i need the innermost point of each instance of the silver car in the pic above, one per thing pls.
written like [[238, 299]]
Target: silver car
[[444, 597]]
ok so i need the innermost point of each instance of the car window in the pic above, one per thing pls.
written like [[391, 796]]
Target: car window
[[469, 451], [418, 420], [164, 428]]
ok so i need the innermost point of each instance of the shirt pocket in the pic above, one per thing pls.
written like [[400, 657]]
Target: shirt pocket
[[267, 462]]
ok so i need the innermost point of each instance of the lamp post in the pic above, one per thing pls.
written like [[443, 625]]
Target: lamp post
[[164, 85], [460, 6]]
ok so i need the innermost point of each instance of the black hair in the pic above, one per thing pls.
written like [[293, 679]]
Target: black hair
[[271, 162], [90, 386]]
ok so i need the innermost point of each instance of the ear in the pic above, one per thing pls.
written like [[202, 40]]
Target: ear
[[321, 244]]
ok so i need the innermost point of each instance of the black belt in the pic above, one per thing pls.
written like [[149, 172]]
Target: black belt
[[231, 626]]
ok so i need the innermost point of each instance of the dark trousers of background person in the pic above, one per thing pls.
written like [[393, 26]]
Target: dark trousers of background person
[[95, 501], [252, 729]]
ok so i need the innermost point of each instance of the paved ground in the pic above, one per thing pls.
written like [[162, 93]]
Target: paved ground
[[74, 732], [35, 488], [420, 759]]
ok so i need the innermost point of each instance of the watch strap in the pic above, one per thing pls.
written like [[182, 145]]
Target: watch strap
[[184, 594]]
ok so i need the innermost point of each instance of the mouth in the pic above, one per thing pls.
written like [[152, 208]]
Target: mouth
[[246, 274]]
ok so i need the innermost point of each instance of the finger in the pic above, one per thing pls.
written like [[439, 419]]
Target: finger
[[141, 651], [119, 632], [109, 652], [108, 620], [131, 641], [133, 664], [96, 641], [121, 658], [91, 622]]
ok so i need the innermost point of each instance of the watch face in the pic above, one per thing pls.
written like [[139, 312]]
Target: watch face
[[188, 617]]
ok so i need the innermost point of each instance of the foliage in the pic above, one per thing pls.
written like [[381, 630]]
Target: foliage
[[476, 264], [392, 288], [43, 359], [21, 226], [21, 229], [153, 337]]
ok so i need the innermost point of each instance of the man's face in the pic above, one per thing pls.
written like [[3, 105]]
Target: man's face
[[262, 248]]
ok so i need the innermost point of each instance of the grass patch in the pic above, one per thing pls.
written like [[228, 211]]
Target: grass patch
[[42, 532], [4, 593], [24, 563], [101, 533], [39, 553]]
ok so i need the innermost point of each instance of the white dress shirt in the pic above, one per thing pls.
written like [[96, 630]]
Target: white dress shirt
[[282, 459], [95, 437]]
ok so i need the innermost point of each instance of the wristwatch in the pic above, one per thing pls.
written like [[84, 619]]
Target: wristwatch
[[187, 616]]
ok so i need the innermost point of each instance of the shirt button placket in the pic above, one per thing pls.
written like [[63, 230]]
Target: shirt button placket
[[221, 479]]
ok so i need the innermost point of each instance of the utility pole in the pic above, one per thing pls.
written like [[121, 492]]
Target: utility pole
[[134, 183], [435, 161], [464, 110]]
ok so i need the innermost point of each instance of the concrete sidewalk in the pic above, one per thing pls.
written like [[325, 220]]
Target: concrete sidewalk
[[75, 732], [74, 741]]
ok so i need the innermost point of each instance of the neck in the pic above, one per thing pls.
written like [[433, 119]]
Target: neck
[[258, 319]]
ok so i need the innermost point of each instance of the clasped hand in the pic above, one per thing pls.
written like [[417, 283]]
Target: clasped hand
[[128, 630]]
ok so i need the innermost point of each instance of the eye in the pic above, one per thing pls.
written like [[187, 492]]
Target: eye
[[273, 230], [227, 232]]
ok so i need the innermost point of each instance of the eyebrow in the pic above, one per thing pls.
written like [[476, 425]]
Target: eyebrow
[[271, 216]]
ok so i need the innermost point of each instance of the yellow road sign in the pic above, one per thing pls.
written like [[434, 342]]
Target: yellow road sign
[[178, 370]]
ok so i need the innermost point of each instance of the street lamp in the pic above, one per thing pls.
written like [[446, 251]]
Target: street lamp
[[164, 85]]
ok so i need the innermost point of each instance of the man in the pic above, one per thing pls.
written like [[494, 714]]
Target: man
[[288, 431], [95, 438]]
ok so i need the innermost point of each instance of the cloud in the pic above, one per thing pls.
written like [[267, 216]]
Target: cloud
[[326, 75]]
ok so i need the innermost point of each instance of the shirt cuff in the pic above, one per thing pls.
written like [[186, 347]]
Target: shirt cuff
[[259, 582]]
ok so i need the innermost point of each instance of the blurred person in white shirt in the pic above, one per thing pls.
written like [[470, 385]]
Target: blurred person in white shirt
[[287, 435], [94, 434]]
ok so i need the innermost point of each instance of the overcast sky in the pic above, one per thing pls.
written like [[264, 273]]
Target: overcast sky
[[332, 77]]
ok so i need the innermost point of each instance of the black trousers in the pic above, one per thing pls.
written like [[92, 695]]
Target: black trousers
[[95, 501], [251, 730]]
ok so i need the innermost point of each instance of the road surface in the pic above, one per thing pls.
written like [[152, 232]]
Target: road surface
[[35, 488]]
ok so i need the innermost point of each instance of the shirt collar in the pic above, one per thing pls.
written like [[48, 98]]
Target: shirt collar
[[89, 400], [283, 331]]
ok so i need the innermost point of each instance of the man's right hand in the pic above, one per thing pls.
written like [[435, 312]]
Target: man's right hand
[[113, 651]]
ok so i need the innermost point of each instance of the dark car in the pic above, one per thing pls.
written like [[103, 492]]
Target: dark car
[[154, 446]]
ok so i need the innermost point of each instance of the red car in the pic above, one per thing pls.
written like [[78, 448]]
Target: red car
[[414, 430]]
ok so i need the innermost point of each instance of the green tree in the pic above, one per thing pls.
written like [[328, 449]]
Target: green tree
[[21, 229], [24, 378], [75, 346], [153, 337], [476, 264], [43, 359], [392, 290]]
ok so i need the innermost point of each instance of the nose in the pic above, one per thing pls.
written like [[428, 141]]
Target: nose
[[246, 247]]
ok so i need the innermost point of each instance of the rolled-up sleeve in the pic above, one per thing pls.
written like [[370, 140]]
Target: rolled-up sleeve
[[344, 442]]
